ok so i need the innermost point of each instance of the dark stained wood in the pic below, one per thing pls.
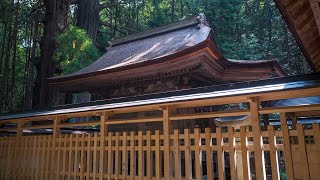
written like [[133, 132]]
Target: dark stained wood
[[301, 17]]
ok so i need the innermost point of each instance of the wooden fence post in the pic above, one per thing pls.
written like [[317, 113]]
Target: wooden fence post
[[103, 132], [55, 135], [166, 135], [256, 128]]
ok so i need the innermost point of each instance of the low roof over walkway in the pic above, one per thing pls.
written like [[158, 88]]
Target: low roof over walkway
[[206, 93]]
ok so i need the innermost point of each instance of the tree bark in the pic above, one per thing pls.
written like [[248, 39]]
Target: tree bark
[[88, 17], [55, 21]]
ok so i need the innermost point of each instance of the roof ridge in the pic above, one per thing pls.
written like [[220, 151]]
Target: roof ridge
[[156, 31]]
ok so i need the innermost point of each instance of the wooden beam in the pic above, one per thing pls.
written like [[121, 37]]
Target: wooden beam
[[135, 120], [56, 128], [210, 115], [286, 109], [314, 4]]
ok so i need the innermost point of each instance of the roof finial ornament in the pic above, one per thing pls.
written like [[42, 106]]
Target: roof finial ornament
[[201, 20]]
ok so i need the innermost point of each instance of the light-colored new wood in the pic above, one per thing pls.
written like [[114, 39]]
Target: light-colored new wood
[[177, 169], [232, 155], [210, 173], [220, 155], [273, 153], [140, 156], [109, 155], [256, 128], [132, 156], [244, 153], [157, 152], [187, 154], [303, 153], [287, 148], [198, 154], [166, 133]]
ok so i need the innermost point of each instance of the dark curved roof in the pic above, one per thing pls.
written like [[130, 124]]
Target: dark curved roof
[[159, 45], [148, 49]]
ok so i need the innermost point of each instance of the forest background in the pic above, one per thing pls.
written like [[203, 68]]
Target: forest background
[[46, 38]]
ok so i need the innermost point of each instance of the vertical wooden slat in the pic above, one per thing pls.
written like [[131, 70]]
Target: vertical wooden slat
[[140, 155], [95, 150], [157, 161], [132, 156], [187, 154], [88, 166], [48, 149], [17, 149], [148, 135], [124, 156], [38, 158], [64, 159], [76, 163], [244, 153], [166, 135], [34, 159], [9, 157], [220, 155], [303, 153], [103, 132], [2, 154], [177, 170], [231, 142], [273, 153], [43, 149], [109, 154], [210, 174], [287, 147], [116, 165], [316, 136], [59, 156], [70, 168], [55, 132], [198, 155], [82, 157], [26, 147], [256, 129]]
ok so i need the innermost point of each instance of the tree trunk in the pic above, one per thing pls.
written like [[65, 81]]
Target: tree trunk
[[30, 64], [55, 21], [13, 64], [88, 17]]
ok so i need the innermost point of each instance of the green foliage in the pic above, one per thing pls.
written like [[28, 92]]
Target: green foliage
[[75, 50]]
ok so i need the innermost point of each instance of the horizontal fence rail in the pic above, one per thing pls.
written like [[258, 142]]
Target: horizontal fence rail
[[225, 154]]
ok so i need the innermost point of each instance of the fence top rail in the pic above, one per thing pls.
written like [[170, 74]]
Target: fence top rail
[[228, 90]]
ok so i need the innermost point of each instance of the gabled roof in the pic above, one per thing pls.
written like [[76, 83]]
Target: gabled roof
[[136, 54]]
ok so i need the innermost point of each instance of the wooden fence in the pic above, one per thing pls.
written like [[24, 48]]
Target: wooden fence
[[197, 155], [251, 152]]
